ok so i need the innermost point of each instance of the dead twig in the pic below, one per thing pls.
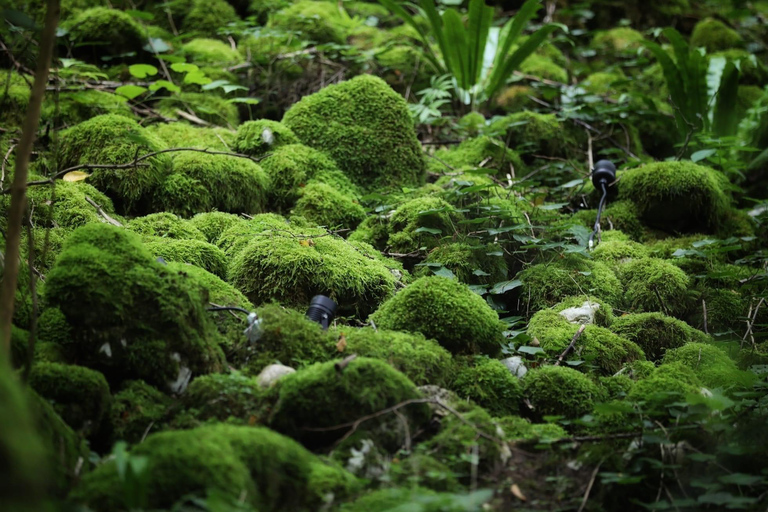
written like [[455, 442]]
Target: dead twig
[[101, 212], [704, 314], [5, 162], [191, 118], [341, 365], [570, 345], [589, 486]]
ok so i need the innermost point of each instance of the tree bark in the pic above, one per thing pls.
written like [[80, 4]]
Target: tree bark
[[19, 186]]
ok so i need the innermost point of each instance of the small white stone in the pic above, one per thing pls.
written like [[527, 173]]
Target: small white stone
[[267, 137], [584, 314], [106, 349], [516, 366], [272, 373], [182, 380]]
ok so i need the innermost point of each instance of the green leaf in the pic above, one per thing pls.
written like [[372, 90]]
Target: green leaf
[[725, 119], [480, 18], [165, 84], [530, 350], [130, 91], [18, 18], [184, 67], [444, 272], [141, 15], [716, 498], [404, 15], [142, 70], [196, 77], [505, 286], [457, 55], [246, 101], [431, 231], [702, 155], [741, 479]]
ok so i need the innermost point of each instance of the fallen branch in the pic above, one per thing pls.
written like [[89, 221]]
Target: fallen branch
[[101, 212], [571, 345], [341, 365], [191, 118]]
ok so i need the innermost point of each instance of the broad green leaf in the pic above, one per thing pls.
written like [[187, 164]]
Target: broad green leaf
[[142, 70], [196, 77], [480, 18], [184, 67], [702, 154], [506, 286], [444, 272], [725, 120], [456, 55], [530, 350], [431, 231], [130, 91], [18, 18], [398, 10], [141, 15], [741, 479], [164, 84]]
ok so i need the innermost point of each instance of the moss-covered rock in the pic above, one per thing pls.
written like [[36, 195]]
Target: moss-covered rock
[[213, 224], [183, 135], [446, 311], [211, 51], [559, 391], [714, 35], [541, 66], [366, 127], [394, 498], [656, 333], [206, 17], [131, 317], [233, 239], [256, 138], [470, 264], [193, 252], [322, 22], [70, 108], [614, 251], [531, 133], [165, 225], [652, 284], [711, 364], [666, 385], [484, 151], [209, 107], [617, 40], [325, 206], [518, 428], [421, 222], [488, 383], [321, 396], [15, 90], [620, 215], [100, 28], [112, 139], [137, 408], [224, 396]]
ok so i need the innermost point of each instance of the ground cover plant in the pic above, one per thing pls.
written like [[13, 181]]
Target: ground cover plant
[[179, 179]]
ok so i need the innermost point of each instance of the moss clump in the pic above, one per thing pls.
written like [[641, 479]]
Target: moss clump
[[209, 107], [213, 224], [615, 252], [194, 252], [515, 98], [420, 222], [618, 40], [424, 470], [622, 215], [652, 284], [256, 138], [517, 428], [14, 96], [101, 28], [76, 107], [604, 82], [601, 311], [488, 383], [322, 22], [446, 311], [470, 264], [677, 196], [291, 265], [711, 365], [79, 395], [615, 387], [559, 391], [222, 396], [548, 283], [366, 128], [237, 236], [206, 17], [714, 35], [395, 498], [321, 396], [476, 152], [211, 51], [325, 206], [131, 317], [226, 183], [165, 225], [543, 67], [530, 132], [403, 66], [423, 361], [113, 139], [136, 408], [666, 385], [656, 333], [183, 135]]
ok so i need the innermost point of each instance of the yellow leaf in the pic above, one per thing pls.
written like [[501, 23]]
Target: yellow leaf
[[518, 493], [342, 344], [308, 242], [75, 176]]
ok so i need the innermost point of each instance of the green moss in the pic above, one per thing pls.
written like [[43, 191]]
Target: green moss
[[52, 327], [70, 108], [365, 127], [613, 252], [603, 82], [213, 224], [101, 28], [530, 132], [320, 396], [165, 225], [222, 396], [404, 66], [182, 195], [209, 107], [256, 138], [419, 223], [711, 365], [136, 408], [321, 22], [211, 51], [329, 483], [470, 264], [446, 311], [615, 387], [617, 40], [515, 98], [714, 35], [113, 139], [622, 215], [396, 498], [194, 252], [517, 428], [656, 333], [652, 284], [291, 265], [677, 196], [206, 17], [666, 385], [233, 239], [79, 395], [131, 317], [473, 153], [548, 283], [543, 67], [422, 470], [14, 96], [183, 135], [559, 391], [325, 206], [488, 383], [374, 230]]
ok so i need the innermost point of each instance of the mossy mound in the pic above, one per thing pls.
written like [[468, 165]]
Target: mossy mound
[[222, 397], [292, 265], [320, 396], [444, 310], [112, 139], [131, 317], [165, 225], [478, 152], [395, 498], [233, 239], [213, 224], [677, 196], [548, 283], [206, 17], [621, 215], [560, 391], [518, 428], [617, 40], [420, 222], [714, 35], [136, 409], [711, 364], [79, 106], [211, 51], [193, 252], [14, 96], [209, 107], [79, 395], [322, 22], [183, 135], [366, 128], [652, 284], [101, 28], [256, 138], [424, 470], [470, 264], [488, 383], [325, 206], [666, 385], [531, 133], [656, 333], [543, 67], [615, 251]]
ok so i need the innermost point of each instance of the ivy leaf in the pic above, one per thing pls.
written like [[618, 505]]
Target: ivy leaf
[[184, 67], [478, 289], [196, 77], [142, 70], [130, 91], [505, 286], [480, 273], [702, 154], [164, 84], [444, 272]]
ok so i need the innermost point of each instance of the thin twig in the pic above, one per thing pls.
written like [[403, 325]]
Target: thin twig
[[571, 345], [5, 162], [704, 314], [191, 118], [101, 212], [589, 486], [341, 365]]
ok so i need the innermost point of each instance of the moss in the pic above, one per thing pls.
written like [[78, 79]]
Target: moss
[[615, 387], [291, 265], [419, 223], [321, 22], [47, 243], [165, 225], [666, 385], [548, 283], [559, 391], [366, 128], [213, 224], [395, 498], [70, 108], [488, 383], [320, 396], [603, 83], [194, 252], [618, 40], [100, 27], [711, 365], [222, 396], [131, 317], [515, 98], [652, 284], [446, 311], [473, 153], [517, 428], [329, 483], [656, 333], [543, 67], [621, 215], [183, 135], [14, 96], [236, 237], [374, 230], [211, 51], [531, 132], [325, 206], [79, 395], [256, 138], [422, 470], [470, 264], [613, 252], [677, 196], [227, 183], [136, 408], [404, 66], [111, 139], [714, 35], [209, 107], [207, 17], [596, 345]]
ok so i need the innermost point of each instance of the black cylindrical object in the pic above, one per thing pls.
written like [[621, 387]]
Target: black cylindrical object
[[604, 171], [321, 310]]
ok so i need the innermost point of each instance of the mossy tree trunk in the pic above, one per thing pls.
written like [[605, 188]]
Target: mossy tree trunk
[[19, 185]]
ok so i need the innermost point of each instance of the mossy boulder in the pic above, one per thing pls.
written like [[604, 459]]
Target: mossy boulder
[[531, 133], [100, 28], [233, 239], [618, 40], [322, 396], [231, 396], [560, 391], [652, 284], [420, 222], [131, 317], [322, 22], [15, 90], [165, 225], [193, 252], [213, 224], [325, 206], [206, 17], [714, 35], [71, 108], [211, 51], [711, 364], [616, 251], [447, 311], [471, 264], [477, 152], [366, 128], [518, 428], [255, 138], [112, 140], [488, 383], [136, 409], [656, 333], [666, 385], [207, 106], [183, 135]]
